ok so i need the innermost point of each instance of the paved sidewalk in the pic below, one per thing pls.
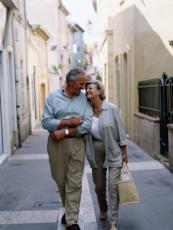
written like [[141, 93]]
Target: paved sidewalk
[[29, 201], [28, 197]]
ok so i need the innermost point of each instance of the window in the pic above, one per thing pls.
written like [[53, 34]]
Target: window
[[3, 18]]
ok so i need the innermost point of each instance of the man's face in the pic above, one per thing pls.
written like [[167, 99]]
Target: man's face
[[78, 85]]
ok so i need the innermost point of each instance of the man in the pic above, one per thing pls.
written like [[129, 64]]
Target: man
[[68, 117]]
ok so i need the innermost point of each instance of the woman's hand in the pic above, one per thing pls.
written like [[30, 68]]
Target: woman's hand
[[124, 154], [125, 158]]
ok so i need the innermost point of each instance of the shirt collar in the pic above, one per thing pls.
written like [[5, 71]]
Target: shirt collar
[[64, 93], [105, 105]]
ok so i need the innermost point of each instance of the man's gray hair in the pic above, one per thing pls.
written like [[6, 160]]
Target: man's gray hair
[[73, 74], [99, 86]]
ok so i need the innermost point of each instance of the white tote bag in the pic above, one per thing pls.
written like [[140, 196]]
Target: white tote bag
[[126, 187]]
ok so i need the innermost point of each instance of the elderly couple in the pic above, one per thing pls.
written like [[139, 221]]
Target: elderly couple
[[81, 123]]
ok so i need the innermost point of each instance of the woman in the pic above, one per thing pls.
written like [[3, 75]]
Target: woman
[[106, 149]]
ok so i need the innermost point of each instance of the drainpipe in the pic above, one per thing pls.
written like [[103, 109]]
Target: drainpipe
[[27, 76], [17, 80]]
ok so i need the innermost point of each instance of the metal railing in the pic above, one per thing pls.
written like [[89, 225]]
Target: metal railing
[[156, 100], [149, 97]]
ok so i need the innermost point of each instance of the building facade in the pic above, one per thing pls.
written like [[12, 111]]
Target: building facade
[[58, 46], [76, 41], [63, 45], [133, 46], [14, 94], [37, 71]]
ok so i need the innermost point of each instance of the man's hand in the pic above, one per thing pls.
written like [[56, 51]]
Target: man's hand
[[75, 121], [57, 135]]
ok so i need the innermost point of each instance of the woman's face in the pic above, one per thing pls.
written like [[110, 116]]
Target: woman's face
[[92, 91]]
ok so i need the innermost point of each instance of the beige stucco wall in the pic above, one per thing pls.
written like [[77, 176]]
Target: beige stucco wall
[[149, 138], [38, 67], [141, 31], [118, 45], [123, 58], [36, 15], [153, 54], [33, 64], [103, 63], [57, 26], [63, 46]]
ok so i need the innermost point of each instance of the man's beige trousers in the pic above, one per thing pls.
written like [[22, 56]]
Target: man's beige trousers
[[66, 159]]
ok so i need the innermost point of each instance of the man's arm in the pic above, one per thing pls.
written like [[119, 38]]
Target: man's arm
[[49, 122], [85, 126], [72, 122], [61, 134]]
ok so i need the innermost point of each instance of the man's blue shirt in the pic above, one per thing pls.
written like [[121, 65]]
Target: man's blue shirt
[[59, 106]]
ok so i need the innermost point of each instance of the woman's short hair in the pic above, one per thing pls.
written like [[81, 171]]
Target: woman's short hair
[[99, 86], [73, 73]]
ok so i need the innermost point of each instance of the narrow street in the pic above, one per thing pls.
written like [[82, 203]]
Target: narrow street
[[28, 197], [126, 50]]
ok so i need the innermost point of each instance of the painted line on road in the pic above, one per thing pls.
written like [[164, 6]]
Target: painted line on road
[[133, 166], [87, 213], [147, 165], [139, 166], [28, 217], [42, 156]]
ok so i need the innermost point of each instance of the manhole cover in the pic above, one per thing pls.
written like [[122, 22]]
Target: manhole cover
[[47, 205]]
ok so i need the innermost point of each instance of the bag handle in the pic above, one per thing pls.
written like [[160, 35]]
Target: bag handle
[[127, 169]]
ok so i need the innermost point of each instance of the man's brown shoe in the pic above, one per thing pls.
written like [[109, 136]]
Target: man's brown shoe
[[73, 227], [113, 227], [63, 220]]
